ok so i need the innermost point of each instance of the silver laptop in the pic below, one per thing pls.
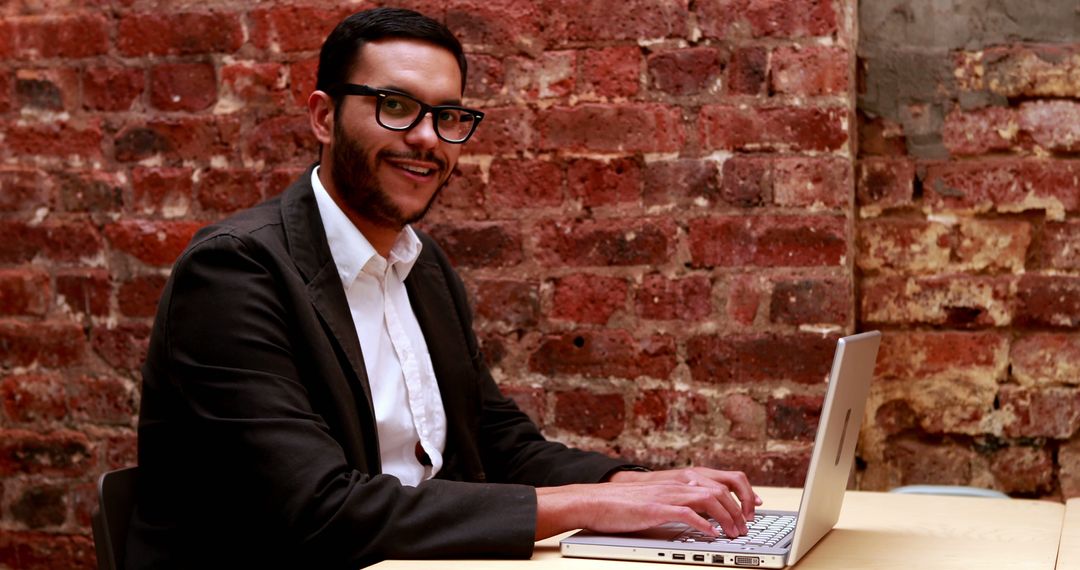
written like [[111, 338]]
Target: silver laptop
[[776, 538]]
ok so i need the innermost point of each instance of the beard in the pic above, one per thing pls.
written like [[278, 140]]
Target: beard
[[361, 191]]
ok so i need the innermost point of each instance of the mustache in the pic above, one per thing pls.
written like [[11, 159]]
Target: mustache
[[412, 155]]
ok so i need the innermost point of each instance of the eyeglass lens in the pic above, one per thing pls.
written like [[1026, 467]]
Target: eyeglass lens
[[401, 112]]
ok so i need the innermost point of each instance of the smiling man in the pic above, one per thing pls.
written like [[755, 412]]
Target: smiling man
[[313, 395]]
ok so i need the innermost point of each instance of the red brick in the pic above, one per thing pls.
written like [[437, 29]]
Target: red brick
[[550, 74], [228, 190], [953, 300], [992, 245], [1005, 186], [585, 20], [47, 89], [121, 450], [33, 398], [921, 462], [283, 140], [183, 86], [180, 138], [686, 71], [1022, 71], [255, 85], [102, 399], [680, 182], [880, 137], [774, 468], [494, 347], [1043, 412], [57, 453], [486, 78], [1045, 359], [43, 37], [183, 33], [753, 359], [1059, 247], [1068, 461], [275, 181], [112, 88], [585, 298], [25, 190], [610, 72], [746, 181], [481, 245], [24, 292], [768, 241], [1048, 300], [684, 299], [6, 84], [138, 296], [39, 506], [515, 304], [463, 197], [605, 183], [51, 344], [885, 183], [780, 129], [603, 354], [505, 130], [746, 417], [1026, 470], [895, 417], [90, 191], [518, 184], [748, 71], [673, 411], [514, 24], [587, 413], [295, 28], [903, 244], [907, 355], [815, 183], [811, 301], [55, 238], [744, 299], [613, 128], [793, 417], [152, 242], [602, 243], [62, 139], [810, 70], [1053, 125], [46, 550], [532, 401], [84, 291], [122, 346], [980, 131], [720, 19], [162, 191], [302, 76]]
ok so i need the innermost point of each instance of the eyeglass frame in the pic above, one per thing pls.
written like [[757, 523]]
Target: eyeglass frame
[[381, 95]]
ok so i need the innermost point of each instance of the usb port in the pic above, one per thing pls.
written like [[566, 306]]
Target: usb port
[[699, 558], [678, 557]]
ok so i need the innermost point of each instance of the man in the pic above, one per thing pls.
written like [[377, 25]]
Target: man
[[313, 394]]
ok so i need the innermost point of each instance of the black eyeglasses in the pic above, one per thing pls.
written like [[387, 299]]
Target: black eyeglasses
[[397, 111]]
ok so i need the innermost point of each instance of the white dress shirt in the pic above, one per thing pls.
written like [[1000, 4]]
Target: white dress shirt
[[408, 405]]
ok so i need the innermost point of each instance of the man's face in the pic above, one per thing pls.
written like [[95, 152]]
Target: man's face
[[390, 178]]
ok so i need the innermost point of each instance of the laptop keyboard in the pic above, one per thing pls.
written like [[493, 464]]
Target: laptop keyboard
[[765, 531]]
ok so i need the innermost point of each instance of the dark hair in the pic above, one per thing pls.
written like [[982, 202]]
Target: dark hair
[[341, 50]]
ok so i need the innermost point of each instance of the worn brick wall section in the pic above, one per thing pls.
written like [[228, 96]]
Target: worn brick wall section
[[655, 222], [968, 241]]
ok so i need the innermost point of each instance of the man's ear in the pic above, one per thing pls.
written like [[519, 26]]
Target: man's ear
[[321, 116]]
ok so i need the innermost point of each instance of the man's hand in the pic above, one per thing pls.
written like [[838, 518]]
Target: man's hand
[[638, 500]]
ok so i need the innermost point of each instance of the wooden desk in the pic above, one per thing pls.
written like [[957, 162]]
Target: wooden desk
[[882, 531], [1069, 549]]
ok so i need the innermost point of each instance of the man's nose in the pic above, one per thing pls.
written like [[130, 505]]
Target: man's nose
[[423, 134]]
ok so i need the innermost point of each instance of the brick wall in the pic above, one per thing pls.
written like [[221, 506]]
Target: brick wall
[[664, 223]]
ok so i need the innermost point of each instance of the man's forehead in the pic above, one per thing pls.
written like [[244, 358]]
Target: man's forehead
[[408, 64]]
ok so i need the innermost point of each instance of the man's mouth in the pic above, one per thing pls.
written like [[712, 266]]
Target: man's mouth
[[423, 167]]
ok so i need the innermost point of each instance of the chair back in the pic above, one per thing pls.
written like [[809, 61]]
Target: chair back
[[116, 502]]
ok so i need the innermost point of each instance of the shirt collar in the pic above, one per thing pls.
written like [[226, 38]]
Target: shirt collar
[[352, 252]]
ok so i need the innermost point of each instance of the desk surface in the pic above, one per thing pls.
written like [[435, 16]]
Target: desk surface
[[1069, 549], [877, 530]]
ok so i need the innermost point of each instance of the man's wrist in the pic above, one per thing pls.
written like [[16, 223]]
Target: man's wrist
[[624, 472]]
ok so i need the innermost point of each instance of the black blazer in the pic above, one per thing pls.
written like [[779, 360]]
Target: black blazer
[[257, 438]]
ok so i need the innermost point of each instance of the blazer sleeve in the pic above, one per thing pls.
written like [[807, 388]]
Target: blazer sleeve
[[228, 361]]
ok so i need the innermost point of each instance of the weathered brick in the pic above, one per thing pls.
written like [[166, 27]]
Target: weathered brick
[[585, 298], [767, 241], [254, 85], [54, 89], [992, 245], [69, 36], [1042, 412], [904, 245], [815, 183], [746, 417], [775, 468], [515, 304], [549, 75], [980, 131], [748, 71], [953, 300], [178, 33], [183, 86], [630, 127], [746, 181], [605, 183], [25, 190], [720, 19], [505, 130], [102, 399], [584, 20], [36, 550], [84, 291], [779, 129], [532, 401], [752, 359], [811, 301], [122, 346], [895, 416], [282, 140], [1053, 125], [880, 136], [668, 410], [1005, 186], [162, 191], [463, 197], [24, 291], [514, 24], [180, 139], [920, 462], [51, 344], [810, 70], [1048, 300], [1024, 469], [684, 299], [604, 353], [910, 355], [793, 417], [40, 506], [33, 398], [56, 453], [481, 245], [60, 239], [90, 191], [152, 242], [302, 76], [518, 184], [588, 413], [680, 182], [610, 72], [228, 190], [6, 86], [1019, 71], [112, 88], [744, 296], [1059, 247], [79, 140], [1038, 359], [607, 242], [138, 296], [486, 78], [884, 183], [686, 71], [121, 450], [1069, 468], [289, 28]]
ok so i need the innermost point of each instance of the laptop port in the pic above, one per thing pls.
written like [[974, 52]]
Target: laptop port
[[747, 560], [678, 557], [699, 558], [717, 558]]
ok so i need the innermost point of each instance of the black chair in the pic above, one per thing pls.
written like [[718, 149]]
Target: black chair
[[116, 501]]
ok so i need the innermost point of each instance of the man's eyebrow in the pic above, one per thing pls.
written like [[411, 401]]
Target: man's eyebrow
[[392, 87]]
